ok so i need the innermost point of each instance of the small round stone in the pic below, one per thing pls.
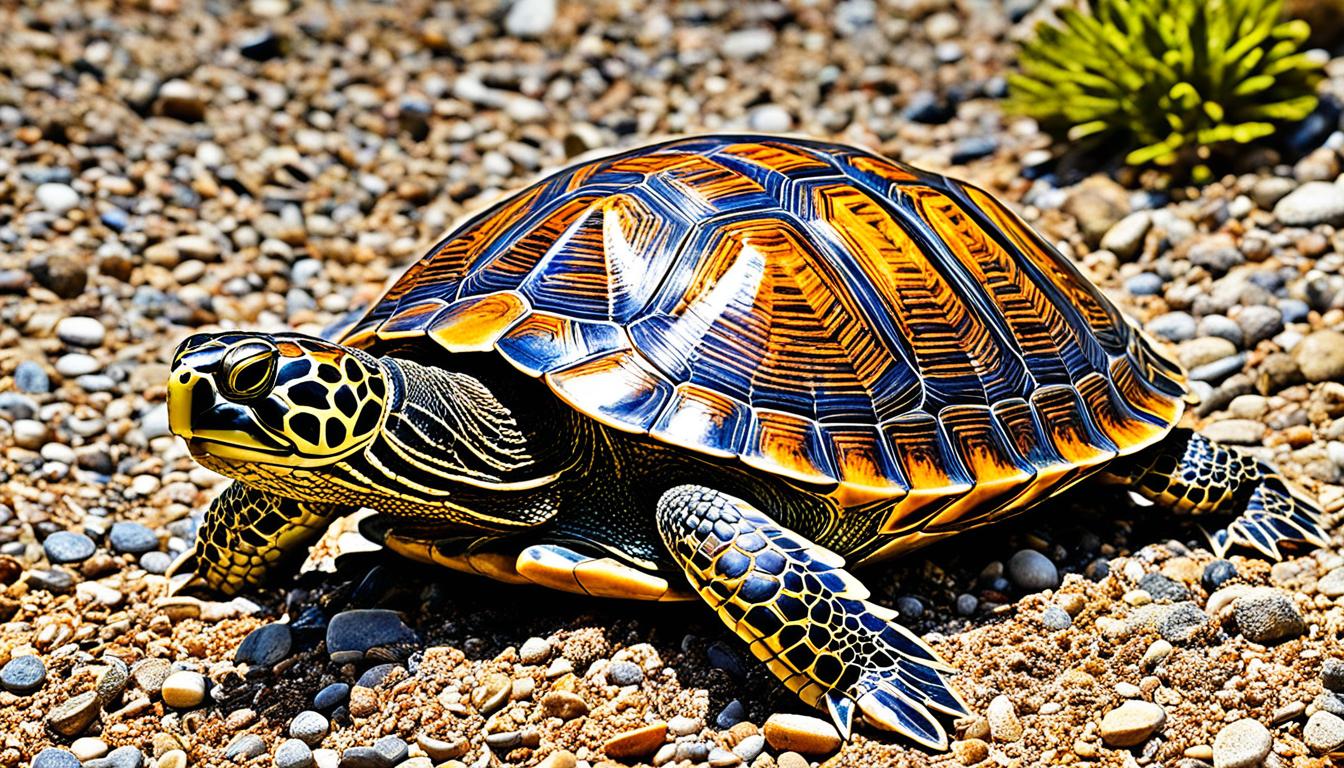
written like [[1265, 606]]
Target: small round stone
[[332, 696], [1320, 355], [534, 650], [68, 547], [184, 690], [293, 753], [52, 757], [1215, 574], [350, 634], [31, 377], [57, 198], [264, 646], [132, 538], [23, 674], [1144, 284], [1316, 202], [1332, 675], [81, 331], [245, 747], [156, 562], [121, 757], [1031, 571], [1055, 618], [1242, 744], [1267, 616], [636, 743], [801, 733], [1004, 725], [622, 673], [1173, 326], [1324, 733], [1131, 723], [310, 727]]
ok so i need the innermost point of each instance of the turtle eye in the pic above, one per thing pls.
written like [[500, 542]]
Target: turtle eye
[[247, 371]]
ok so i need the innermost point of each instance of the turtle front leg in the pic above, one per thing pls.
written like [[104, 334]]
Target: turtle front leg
[[246, 533], [806, 617]]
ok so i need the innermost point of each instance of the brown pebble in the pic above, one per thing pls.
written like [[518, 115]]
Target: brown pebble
[[564, 705], [72, 717], [971, 751], [561, 759], [792, 760], [636, 743], [801, 733], [492, 693], [363, 701]]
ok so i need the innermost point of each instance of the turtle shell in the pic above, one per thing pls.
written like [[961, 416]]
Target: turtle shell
[[812, 310]]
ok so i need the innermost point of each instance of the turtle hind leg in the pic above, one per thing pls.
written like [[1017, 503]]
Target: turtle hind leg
[[1188, 472], [245, 534], [806, 617]]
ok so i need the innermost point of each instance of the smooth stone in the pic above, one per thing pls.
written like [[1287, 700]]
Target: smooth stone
[[132, 538], [1173, 326], [68, 547], [184, 689], [1144, 284], [293, 753], [771, 118], [1242, 744], [636, 743], [1031, 571], [264, 646], [121, 757], [88, 748], [1236, 431], [73, 716], [564, 705], [310, 727], [732, 713], [973, 148], [1004, 725], [52, 757], [149, 674], [534, 650], [31, 377], [750, 747], [245, 747], [1332, 583], [76, 365], [332, 696], [1163, 588], [81, 331], [393, 749], [1131, 723], [56, 198], [1324, 733], [1125, 237], [1216, 371], [363, 757], [1056, 619], [1320, 356], [530, 18], [1259, 322], [1266, 616], [801, 733], [441, 750], [623, 673], [1216, 574], [156, 562], [1332, 675], [23, 675], [1223, 327], [1316, 202], [350, 634], [112, 680], [1156, 654]]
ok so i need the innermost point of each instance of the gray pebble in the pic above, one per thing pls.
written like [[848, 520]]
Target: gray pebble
[[310, 727], [1144, 284], [81, 331], [624, 673], [1267, 616], [1163, 588], [1173, 326], [966, 604], [156, 562], [245, 747], [1332, 675], [1030, 571], [731, 714], [1324, 733], [1219, 369], [750, 748], [1222, 327], [32, 378], [392, 748], [1125, 237], [1259, 322], [352, 633], [23, 674], [76, 364], [1316, 202], [332, 696], [363, 757], [293, 753], [132, 538], [121, 757], [52, 757], [68, 547], [1215, 574], [1055, 618], [1180, 622], [264, 646]]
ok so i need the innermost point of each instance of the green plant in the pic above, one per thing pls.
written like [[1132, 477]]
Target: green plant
[[1173, 81]]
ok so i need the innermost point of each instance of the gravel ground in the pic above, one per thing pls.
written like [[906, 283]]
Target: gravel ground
[[167, 166]]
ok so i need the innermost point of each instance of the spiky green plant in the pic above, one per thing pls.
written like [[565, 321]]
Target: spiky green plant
[[1172, 81]]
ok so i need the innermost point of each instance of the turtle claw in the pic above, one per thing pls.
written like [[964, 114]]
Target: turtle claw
[[889, 709], [1275, 516], [841, 709]]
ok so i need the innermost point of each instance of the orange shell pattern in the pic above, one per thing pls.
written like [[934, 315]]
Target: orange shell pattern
[[876, 332]]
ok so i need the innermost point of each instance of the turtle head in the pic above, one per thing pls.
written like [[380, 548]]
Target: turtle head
[[286, 400]]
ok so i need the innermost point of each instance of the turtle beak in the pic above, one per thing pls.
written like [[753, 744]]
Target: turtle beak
[[199, 414]]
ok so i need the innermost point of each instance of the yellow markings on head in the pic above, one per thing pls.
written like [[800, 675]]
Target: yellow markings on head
[[474, 325]]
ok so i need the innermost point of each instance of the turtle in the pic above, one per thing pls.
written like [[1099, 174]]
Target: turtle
[[725, 368]]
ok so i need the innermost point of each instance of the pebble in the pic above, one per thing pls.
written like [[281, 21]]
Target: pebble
[[1216, 574], [149, 674], [750, 747], [76, 365], [1320, 355], [534, 650], [68, 547], [156, 562], [32, 378], [1324, 733], [1259, 322], [1163, 588], [1144, 284], [293, 753], [771, 118], [1241, 744], [393, 749], [636, 743], [332, 696], [1316, 202], [1332, 583], [81, 331], [564, 705], [53, 757], [57, 198], [245, 747], [350, 634], [1332, 675], [23, 675], [173, 758], [1173, 326], [1156, 654], [1131, 723], [1004, 725], [121, 757], [71, 717], [1055, 618], [801, 733], [264, 646], [530, 18], [1125, 238], [1031, 571], [441, 750], [622, 673], [310, 727], [132, 538], [183, 689], [1266, 616], [88, 748]]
